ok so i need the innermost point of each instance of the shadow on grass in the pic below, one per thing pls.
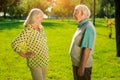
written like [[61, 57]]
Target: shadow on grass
[[48, 24], [106, 36], [59, 23], [10, 25], [53, 24], [99, 25], [18, 25]]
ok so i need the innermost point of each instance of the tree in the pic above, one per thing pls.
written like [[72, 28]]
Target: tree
[[42, 4], [65, 8], [94, 12], [90, 4], [106, 8], [8, 6], [117, 25], [81, 1], [4, 5], [14, 9], [94, 8]]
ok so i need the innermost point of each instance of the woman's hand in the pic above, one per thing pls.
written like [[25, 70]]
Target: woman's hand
[[27, 54]]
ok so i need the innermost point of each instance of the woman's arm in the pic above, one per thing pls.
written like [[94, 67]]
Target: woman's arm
[[19, 44], [26, 55], [19, 41]]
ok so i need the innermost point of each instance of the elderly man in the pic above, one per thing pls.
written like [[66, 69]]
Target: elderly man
[[82, 45]]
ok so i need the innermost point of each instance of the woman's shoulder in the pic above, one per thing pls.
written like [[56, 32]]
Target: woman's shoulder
[[27, 29], [41, 26]]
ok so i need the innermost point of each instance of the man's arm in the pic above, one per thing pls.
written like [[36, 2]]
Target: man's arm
[[84, 59], [86, 45]]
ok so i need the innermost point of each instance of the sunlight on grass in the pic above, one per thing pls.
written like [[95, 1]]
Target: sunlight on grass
[[13, 67]]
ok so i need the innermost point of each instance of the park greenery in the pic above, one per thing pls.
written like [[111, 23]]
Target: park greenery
[[59, 8], [59, 33]]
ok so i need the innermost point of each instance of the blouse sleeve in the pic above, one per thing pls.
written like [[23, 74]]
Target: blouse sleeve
[[20, 41]]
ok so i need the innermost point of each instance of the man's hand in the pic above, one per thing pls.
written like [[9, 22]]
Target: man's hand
[[84, 59], [81, 71]]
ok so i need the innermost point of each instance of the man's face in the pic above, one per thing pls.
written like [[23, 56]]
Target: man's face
[[77, 14]]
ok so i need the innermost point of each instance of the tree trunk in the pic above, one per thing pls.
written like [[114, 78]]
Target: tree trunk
[[110, 34], [117, 25], [94, 12], [4, 13], [81, 1], [107, 10]]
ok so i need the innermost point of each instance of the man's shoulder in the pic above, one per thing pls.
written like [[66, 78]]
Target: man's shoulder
[[90, 26]]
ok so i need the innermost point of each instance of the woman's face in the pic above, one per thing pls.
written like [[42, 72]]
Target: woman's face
[[38, 19]]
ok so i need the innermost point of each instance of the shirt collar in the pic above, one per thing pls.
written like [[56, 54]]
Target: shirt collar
[[82, 22]]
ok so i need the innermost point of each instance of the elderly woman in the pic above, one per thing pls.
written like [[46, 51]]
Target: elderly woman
[[32, 44], [82, 45]]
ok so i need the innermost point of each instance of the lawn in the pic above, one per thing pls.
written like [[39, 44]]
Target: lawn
[[106, 65]]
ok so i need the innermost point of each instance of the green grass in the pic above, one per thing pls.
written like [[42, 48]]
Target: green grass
[[106, 65]]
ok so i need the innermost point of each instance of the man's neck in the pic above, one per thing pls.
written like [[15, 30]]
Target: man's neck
[[82, 18]]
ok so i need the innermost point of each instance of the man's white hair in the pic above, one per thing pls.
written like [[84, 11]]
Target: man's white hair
[[83, 8]]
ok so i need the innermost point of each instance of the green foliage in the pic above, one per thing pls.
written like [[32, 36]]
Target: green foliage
[[42, 4], [109, 23], [90, 4], [9, 6], [13, 67], [106, 8], [64, 8], [5, 3]]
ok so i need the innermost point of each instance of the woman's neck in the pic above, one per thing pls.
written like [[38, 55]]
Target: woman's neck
[[35, 24], [36, 27]]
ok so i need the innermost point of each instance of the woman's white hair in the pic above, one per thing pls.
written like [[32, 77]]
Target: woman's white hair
[[83, 8], [31, 15]]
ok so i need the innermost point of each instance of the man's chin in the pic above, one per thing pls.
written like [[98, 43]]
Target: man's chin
[[76, 19]]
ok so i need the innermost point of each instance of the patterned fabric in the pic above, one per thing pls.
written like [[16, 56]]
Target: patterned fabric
[[31, 40]]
